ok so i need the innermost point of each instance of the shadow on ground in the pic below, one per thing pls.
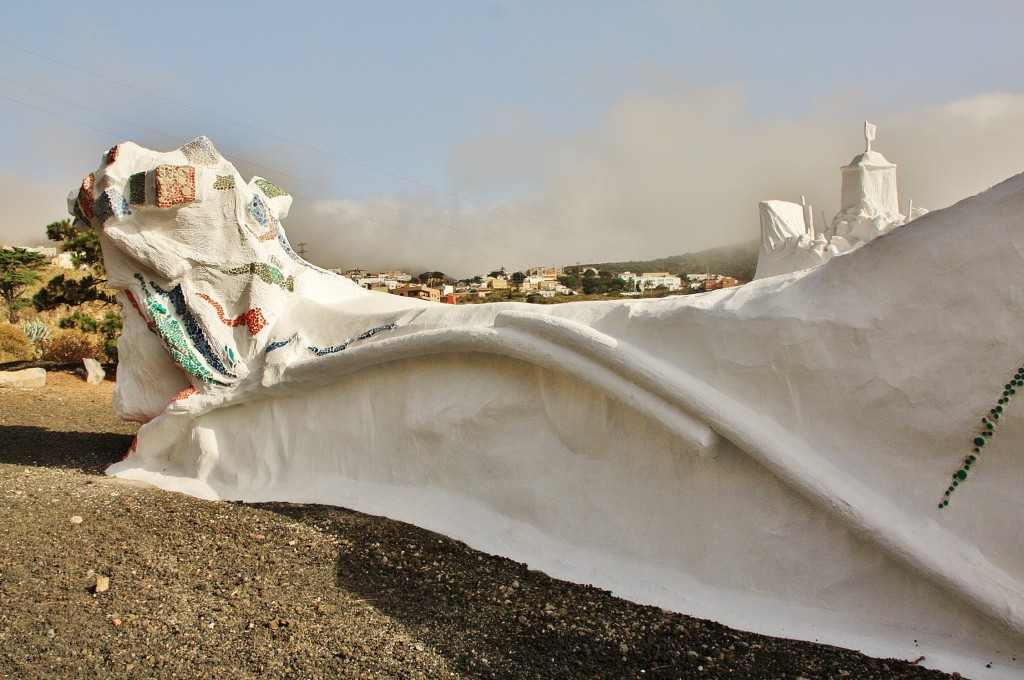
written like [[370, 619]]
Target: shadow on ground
[[90, 452], [493, 617]]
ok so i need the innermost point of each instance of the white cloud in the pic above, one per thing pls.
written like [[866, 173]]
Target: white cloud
[[28, 207]]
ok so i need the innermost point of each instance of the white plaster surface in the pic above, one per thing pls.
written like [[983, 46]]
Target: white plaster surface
[[770, 456], [869, 207]]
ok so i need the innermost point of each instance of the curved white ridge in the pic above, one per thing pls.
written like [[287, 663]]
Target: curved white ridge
[[562, 434], [566, 346]]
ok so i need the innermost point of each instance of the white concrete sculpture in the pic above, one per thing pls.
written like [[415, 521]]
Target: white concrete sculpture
[[805, 455], [788, 241], [869, 205], [869, 208]]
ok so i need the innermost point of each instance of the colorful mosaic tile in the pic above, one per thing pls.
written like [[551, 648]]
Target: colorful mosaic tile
[[259, 211], [131, 449], [201, 152], [173, 335], [989, 424], [266, 273], [112, 154], [295, 257], [85, 199], [224, 182], [184, 338], [277, 344], [269, 189], [253, 318], [318, 351], [184, 394], [175, 184], [111, 203], [137, 188], [135, 304]]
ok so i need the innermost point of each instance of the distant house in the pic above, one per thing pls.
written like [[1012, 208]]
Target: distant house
[[496, 283], [721, 282], [549, 273], [652, 280], [711, 281], [418, 291]]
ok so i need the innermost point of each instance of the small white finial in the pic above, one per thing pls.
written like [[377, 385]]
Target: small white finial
[[869, 136]]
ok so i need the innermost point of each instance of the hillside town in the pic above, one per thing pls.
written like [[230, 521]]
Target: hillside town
[[538, 284]]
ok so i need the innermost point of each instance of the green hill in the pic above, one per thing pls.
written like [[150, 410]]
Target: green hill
[[738, 261]]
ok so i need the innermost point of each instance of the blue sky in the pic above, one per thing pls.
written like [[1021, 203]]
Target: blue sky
[[464, 136]]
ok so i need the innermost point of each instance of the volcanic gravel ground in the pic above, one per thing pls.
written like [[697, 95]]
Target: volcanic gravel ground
[[227, 590]]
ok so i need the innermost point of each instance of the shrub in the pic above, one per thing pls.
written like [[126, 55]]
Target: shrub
[[71, 345], [14, 344], [36, 330], [78, 320]]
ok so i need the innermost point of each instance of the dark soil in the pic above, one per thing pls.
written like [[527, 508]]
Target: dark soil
[[227, 590]]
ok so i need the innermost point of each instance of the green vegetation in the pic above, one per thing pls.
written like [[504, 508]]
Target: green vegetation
[[71, 346], [82, 241], [738, 261], [19, 269], [14, 344], [78, 302]]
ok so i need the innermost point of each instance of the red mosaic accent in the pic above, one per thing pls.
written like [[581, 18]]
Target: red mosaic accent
[[175, 184], [135, 304], [112, 154], [131, 449], [254, 318], [85, 198], [185, 394]]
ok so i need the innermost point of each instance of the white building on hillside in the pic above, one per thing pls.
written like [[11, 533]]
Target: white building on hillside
[[651, 280]]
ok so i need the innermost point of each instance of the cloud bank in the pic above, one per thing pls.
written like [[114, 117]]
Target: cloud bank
[[660, 174]]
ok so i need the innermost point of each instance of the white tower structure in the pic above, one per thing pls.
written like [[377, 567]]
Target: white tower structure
[[869, 205]]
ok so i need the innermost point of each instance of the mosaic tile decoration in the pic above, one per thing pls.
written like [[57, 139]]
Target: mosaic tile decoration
[[277, 344], [111, 203], [267, 274], [224, 182], [131, 449], [112, 154], [85, 199], [137, 188], [362, 336], [259, 211], [989, 424], [192, 327], [201, 151], [173, 333], [253, 318], [269, 189], [135, 304], [184, 394], [175, 184], [295, 257]]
